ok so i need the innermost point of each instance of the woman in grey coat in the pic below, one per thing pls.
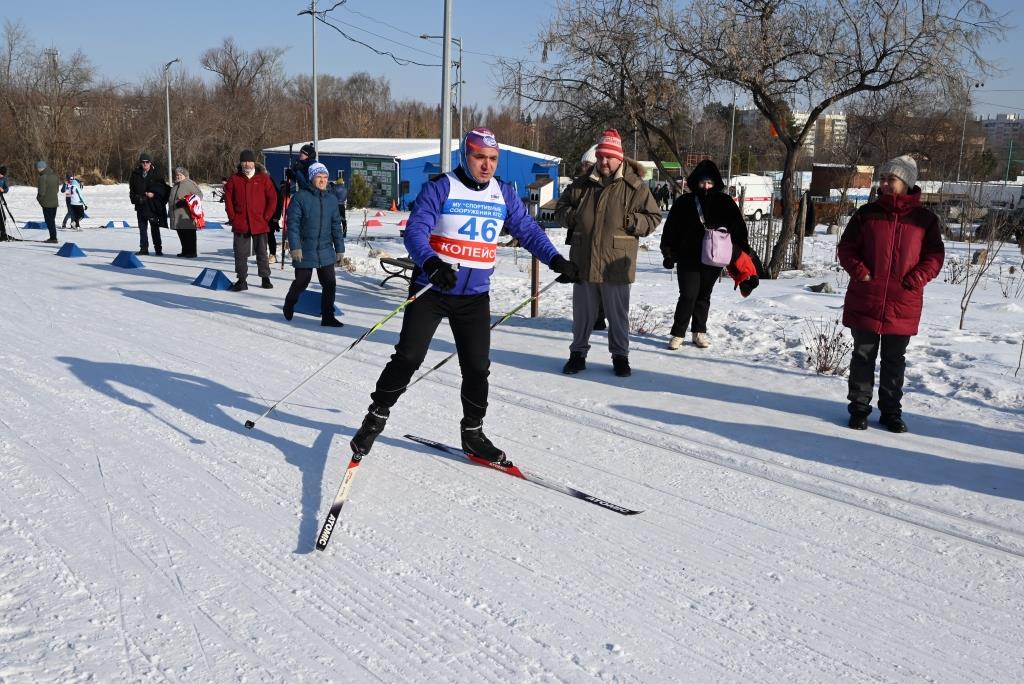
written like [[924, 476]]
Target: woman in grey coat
[[181, 219]]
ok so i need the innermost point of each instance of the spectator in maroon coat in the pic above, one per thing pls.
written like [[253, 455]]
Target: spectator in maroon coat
[[250, 199], [891, 248]]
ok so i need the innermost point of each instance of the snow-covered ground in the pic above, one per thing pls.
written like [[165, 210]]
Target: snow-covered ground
[[145, 535]]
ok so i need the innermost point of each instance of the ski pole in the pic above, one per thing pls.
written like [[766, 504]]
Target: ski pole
[[412, 298], [496, 323]]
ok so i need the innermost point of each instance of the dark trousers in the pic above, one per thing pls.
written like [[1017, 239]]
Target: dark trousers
[[470, 319], [271, 242], [188, 242], [344, 221], [77, 214], [328, 283], [694, 299], [154, 227], [50, 216], [862, 372], [69, 215]]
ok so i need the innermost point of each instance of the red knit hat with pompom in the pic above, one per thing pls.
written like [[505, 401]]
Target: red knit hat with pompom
[[610, 145]]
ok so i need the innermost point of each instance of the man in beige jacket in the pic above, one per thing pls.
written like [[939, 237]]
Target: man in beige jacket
[[607, 212]]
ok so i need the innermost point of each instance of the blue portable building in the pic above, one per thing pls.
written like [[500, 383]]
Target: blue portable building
[[397, 168]]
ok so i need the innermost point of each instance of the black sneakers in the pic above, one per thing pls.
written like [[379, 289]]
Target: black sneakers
[[330, 322], [373, 424], [475, 442], [893, 423], [620, 362], [289, 309], [858, 421], [575, 364]]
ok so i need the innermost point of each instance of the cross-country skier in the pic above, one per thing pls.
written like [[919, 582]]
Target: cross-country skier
[[456, 223]]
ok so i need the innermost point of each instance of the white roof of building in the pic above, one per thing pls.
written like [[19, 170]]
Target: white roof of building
[[393, 148]]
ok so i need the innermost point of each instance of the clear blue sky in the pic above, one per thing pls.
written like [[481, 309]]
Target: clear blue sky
[[130, 40]]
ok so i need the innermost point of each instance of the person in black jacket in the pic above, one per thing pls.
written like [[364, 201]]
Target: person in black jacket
[[300, 167], [681, 245], [149, 193]]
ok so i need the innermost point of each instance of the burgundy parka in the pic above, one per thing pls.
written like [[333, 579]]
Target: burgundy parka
[[250, 202], [899, 243]]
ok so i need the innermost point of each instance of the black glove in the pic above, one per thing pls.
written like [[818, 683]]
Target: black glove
[[567, 271], [748, 285], [440, 273], [668, 263]]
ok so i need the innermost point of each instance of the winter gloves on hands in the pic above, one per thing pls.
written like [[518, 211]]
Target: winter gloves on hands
[[296, 255], [339, 257], [567, 271], [440, 273], [748, 285], [668, 263]]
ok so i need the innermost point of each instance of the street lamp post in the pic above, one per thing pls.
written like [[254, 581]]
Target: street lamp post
[[963, 133], [167, 102], [458, 75]]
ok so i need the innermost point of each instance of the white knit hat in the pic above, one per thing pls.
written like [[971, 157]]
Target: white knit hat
[[590, 156], [903, 167]]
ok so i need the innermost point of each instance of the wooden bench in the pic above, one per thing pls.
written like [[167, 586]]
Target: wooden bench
[[397, 268]]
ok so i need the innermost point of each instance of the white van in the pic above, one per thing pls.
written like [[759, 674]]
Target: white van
[[757, 193]]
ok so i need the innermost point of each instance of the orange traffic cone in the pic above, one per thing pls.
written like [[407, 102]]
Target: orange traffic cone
[[394, 205]]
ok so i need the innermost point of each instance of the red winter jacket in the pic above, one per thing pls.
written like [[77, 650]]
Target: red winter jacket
[[250, 202], [899, 244]]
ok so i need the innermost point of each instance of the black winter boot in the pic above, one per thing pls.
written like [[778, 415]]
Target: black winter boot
[[373, 424], [620, 362], [475, 442], [893, 423], [858, 421], [266, 284], [239, 286], [577, 362]]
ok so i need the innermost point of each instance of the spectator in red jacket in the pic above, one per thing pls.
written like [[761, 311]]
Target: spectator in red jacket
[[891, 248], [250, 199]]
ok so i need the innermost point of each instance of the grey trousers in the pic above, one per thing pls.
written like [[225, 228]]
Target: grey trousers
[[244, 246], [586, 299]]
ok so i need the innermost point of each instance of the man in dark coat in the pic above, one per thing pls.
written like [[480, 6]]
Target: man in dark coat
[[250, 199], [682, 244], [891, 248], [47, 188], [149, 193]]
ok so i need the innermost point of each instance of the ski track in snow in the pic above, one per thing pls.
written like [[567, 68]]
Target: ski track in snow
[[146, 536]]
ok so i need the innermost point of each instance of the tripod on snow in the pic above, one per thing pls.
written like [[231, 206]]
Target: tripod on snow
[[4, 208]]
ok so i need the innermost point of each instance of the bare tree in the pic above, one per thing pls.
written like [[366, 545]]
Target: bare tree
[[821, 52], [604, 65]]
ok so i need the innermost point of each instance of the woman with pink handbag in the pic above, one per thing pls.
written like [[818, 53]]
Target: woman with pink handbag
[[704, 233]]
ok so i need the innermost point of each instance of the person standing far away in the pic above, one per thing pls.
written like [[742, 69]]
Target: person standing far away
[[250, 199], [891, 248], [341, 195], [608, 215], [76, 203], [452, 238], [705, 207], [300, 167], [181, 218], [148, 192], [315, 241], [47, 191], [66, 189]]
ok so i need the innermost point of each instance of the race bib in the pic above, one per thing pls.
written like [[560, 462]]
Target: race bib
[[469, 225]]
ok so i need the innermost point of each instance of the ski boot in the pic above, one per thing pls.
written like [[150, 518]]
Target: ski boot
[[476, 444], [373, 424]]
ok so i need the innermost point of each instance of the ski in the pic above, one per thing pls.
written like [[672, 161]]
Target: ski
[[339, 501], [516, 471]]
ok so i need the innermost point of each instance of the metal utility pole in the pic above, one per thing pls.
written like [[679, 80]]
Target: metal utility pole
[[316, 118], [732, 135], [446, 90], [458, 75], [167, 102], [963, 133]]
